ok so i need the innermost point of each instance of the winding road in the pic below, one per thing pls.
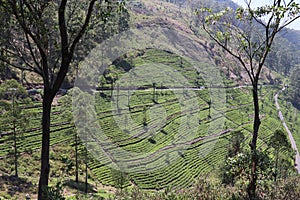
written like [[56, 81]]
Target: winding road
[[294, 146]]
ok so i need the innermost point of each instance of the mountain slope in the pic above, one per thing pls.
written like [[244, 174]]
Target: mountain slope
[[160, 163], [183, 18]]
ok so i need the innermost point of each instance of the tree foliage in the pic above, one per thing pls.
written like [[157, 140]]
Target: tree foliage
[[43, 38], [247, 34], [279, 142], [13, 121], [5, 89]]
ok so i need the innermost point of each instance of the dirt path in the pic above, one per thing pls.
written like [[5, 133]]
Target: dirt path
[[294, 146]]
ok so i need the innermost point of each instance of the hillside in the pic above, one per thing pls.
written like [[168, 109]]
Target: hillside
[[283, 58], [164, 14], [168, 111]]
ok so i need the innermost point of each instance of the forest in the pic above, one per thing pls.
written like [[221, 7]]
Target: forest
[[149, 100]]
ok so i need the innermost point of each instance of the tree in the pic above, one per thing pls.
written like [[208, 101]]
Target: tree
[[12, 117], [247, 35], [234, 148], [111, 76], [237, 169], [154, 92], [235, 141], [83, 125], [279, 142], [120, 178], [44, 36], [144, 116], [66, 110]]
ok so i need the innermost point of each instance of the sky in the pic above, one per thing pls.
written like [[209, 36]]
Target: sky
[[294, 25]]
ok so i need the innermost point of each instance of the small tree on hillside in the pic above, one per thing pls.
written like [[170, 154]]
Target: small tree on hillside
[[234, 147], [279, 142], [66, 114], [12, 118], [120, 178], [247, 35]]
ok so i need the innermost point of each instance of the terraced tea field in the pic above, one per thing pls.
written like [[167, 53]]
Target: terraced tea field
[[161, 135], [164, 164], [30, 139]]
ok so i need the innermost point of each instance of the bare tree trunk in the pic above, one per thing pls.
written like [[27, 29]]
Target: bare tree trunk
[[86, 171], [45, 166], [111, 90], [154, 92], [254, 159], [276, 165], [76, 157], [15, 149]]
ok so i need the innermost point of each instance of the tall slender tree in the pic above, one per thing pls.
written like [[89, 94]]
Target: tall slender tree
[[247, 34], [44, 36], [12, 118]]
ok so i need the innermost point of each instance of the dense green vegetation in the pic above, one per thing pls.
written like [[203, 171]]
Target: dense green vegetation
[[293, 89], [167, 140], [186, 167]]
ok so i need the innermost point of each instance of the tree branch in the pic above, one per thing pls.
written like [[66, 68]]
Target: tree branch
[[63, 30], [288, 23], [84, 27], [67, 54], [31, 52], [21, 22], [20, 67], [238, 57]]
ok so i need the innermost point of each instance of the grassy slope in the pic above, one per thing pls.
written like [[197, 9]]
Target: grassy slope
[[179, 173], [238, 117]]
